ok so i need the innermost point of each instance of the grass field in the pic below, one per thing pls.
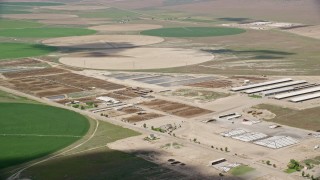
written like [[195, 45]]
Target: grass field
[[45, 32], [305, 119], [203, 95], [8, 9], [94, 160], [18, 50], [241, 170], [29, 131], [12, 24], [7, 97], [193, 32]]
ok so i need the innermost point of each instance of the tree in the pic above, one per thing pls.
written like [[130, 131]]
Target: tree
[[195, 140], [226, 149], [144, 125], [293, 164], [274, 165], [221, 149], [302, 173], [268, 162]]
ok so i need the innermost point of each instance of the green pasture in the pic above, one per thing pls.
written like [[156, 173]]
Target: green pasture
[[18, 50], [45, 32], [15, 24], [29, 131]]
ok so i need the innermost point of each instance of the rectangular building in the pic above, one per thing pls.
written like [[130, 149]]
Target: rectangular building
[[260, 89], [241, 88], [296, 93], [306, 97]]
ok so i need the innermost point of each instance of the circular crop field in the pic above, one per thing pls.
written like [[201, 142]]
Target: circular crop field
[[18, 50], [137, 58], [45, 32], [193, 31], [29, 131]]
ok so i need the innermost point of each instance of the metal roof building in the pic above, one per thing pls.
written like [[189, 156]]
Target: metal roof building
[[276, 91], [275, 86], [241, 88], [306, 97], [296, 93], [250, 136], [276, 142]]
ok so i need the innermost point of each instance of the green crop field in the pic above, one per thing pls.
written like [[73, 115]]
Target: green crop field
[[18, 50], [241, 170], [193, 32], [12, 24], [29, 131], [45, 32], [95, 160], [8, 9]]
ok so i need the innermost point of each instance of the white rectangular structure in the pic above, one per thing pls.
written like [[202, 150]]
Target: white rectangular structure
[[233, 117], [250, 136], [277, 142], [276, 91], [241, 88], [233, 132], [306, 97], [256, 90], [296, 93]]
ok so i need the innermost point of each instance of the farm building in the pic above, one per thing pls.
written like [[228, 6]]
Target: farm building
[[241, 88]]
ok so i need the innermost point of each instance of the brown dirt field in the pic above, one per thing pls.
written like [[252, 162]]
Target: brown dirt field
[[83, 82], [309, 31], [40, 87], [83, 100], [248, 77], [137, 4], [127, 92], [143, 117], [137, 58], [175, 108], [192, 112], [117, 96], [306, 11], [74, 7], [212, 84], [75, 21], [39, 16], [125, 27], [37, 72], [103, 41], [18, 62], [130, 110]]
